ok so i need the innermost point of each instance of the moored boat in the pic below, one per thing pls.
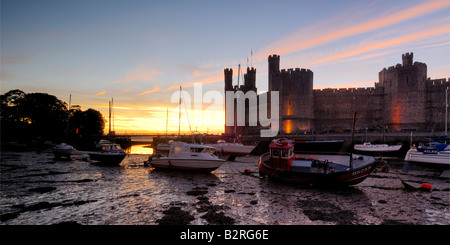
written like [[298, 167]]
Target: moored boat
[[281, 162], [368, 147], [187, 157], [63, 150], [108, 153], [432, 154], [232, 150]]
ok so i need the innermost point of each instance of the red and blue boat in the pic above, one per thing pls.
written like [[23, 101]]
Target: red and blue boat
[[317, 168]]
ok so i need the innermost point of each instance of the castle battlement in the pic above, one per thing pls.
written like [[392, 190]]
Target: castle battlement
[[403, 98], [292, 71]]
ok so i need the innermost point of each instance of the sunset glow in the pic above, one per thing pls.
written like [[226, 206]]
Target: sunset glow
[[140, 53]]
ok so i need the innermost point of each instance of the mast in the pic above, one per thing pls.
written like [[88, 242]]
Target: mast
[[446, 111], [167, 120], [109, 121], [179, 115]]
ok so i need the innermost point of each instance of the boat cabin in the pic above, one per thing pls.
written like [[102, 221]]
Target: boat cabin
[[181, 149], [281, 153]]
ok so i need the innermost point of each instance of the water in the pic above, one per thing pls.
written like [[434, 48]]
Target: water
[[38, 189]]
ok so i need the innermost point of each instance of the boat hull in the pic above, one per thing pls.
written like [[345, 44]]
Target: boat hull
[[345, 177], [186, 164], [433, 159], [107, 158]]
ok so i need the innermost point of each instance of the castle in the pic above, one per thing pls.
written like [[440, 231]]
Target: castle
[[403, 99]]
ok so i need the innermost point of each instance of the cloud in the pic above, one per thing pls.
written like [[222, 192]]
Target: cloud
[[212, 78], [100, 93], [326, 32], [385, 44], [143, 72], [156, 89]]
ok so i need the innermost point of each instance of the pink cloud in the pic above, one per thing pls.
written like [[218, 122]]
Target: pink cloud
[[310, 37]]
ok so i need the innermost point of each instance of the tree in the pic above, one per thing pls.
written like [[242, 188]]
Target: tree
[[39, 115], [47, 115]]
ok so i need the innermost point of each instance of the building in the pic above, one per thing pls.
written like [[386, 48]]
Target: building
[[403, 99]]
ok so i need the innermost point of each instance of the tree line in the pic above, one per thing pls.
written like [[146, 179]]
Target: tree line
[[32, 116]]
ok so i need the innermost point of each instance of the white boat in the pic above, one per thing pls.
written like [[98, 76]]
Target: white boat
[[368, 147], [431, 156], [188, 157], [63, 150], [164, 146], [232, 150]]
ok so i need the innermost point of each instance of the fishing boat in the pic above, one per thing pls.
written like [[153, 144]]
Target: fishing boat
[[63, 150], [381, 148], [434, 154], [187, 156], [232, 150], [281, 162], [108, 153]]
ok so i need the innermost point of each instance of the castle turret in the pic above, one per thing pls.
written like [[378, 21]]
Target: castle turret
[[250, 80], [403, 92], [274, 70], [228, 73], [407, 59]]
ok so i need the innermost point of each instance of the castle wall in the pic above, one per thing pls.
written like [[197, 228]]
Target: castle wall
[[435, 103], [333, 109], [402, 99]]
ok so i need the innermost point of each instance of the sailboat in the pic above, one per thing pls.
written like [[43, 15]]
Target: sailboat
[[230, 150], [434, 153], [186, 156]]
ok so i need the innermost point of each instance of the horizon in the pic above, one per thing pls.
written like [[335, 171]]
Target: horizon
[[141, 52]]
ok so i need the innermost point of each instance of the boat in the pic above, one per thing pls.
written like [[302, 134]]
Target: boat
[[368, 147], [317, 168], [63, 150], [187, 156], [164, 146], [108, 153], [433, 154], [232, 150]]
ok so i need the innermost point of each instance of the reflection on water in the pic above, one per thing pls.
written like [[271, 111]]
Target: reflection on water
[[140, 149]]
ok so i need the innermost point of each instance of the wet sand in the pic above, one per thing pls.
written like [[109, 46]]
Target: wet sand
[[37, 189]]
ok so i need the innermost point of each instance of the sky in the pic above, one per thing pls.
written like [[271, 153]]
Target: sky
[[139, 53]]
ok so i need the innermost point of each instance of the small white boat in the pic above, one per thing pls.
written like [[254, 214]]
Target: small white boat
[[188, 157], [430, 156], [232, 150], [368, 147], [63, 150], [164, 146]]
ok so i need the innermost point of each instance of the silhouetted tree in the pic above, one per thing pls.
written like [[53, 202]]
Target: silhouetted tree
[[29, 116]]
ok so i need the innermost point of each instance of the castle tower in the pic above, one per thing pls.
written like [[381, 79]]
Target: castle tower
[[296, 100], [404, 98], [228, 74], [250, 80], [274, 70], [407, 59]]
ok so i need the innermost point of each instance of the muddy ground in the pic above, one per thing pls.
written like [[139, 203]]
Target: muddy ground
[[37, 189]]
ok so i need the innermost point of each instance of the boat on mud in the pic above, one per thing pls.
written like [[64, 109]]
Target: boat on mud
[[108, 153], [376, 148], [187, 157], [318, 168], [232, 150], [63, 150], [432, 154]]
